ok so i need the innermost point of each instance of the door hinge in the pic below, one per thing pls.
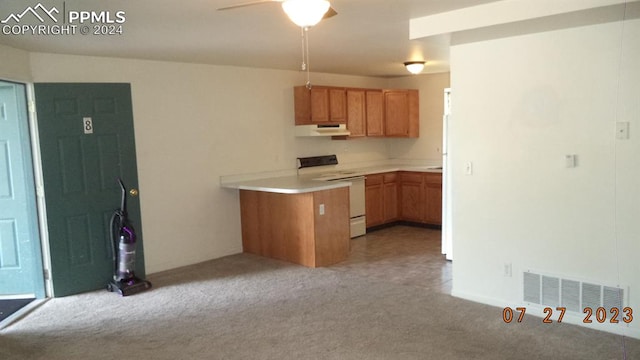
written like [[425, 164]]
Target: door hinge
[[32, 106], [47, 274]]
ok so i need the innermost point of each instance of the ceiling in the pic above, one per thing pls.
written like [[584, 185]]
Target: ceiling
[[367, 37]]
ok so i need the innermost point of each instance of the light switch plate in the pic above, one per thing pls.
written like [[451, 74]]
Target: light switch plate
[[622, 130], [570, 161]]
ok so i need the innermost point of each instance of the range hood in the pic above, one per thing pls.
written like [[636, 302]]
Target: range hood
[[322, 130]]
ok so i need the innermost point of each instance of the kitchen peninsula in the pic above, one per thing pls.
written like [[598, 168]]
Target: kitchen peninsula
[[301, 221], [304, 219]]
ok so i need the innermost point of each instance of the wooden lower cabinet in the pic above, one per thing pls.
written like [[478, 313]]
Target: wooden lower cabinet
[[404, 196], [374, 199], [412, 196], [390, 197], [290, 227], [433, 198], [381, 198]]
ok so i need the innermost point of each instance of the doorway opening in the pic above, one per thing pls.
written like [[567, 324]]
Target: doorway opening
[[21, 261]]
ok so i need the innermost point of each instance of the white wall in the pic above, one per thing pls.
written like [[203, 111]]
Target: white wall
[[520, 104], [195, 123], [14, 64]]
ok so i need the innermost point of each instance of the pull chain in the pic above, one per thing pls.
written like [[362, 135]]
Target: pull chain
[[302, 38], [305, 54]]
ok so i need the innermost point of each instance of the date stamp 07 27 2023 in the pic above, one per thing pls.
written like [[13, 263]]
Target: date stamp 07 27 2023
[[600, 315]]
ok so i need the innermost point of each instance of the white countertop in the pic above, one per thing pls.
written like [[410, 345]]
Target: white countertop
[[341, 174], [298, 184], [286, 185]]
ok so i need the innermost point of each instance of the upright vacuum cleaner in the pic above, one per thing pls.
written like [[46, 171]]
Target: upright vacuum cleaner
[[123, 240]]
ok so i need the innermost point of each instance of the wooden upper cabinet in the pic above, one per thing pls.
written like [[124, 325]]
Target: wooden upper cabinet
[[396, 111], [320, 105], [401, 117], [375, 113], [337, 105], [367, 112], [414, 114], [302, 105], [356, 116]]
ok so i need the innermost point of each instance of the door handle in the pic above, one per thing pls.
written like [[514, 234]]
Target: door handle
[[133, 192]]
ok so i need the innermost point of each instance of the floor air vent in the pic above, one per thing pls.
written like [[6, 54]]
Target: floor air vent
[[574, 295]]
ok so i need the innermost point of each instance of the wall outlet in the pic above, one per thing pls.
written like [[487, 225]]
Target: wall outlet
[[321, 209], [508, 270]]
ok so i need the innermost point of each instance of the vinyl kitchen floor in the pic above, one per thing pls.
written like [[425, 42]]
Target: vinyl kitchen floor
[[401, 254]]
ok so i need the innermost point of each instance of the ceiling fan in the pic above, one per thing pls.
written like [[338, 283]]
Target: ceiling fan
[[304, 13]]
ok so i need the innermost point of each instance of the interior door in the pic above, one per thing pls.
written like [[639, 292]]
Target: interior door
[[20, 251], [87, 142]]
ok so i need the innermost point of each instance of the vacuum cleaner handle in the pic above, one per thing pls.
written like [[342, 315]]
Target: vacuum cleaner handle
[[123, 201]]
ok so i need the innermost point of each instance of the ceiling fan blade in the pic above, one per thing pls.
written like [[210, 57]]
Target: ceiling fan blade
[[248, 4], [330, 13]]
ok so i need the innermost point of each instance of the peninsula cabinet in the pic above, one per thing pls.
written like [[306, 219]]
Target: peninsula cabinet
[[310, 229], [319, 105], [401, 113]]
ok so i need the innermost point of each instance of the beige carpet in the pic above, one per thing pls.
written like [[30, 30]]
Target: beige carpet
[[247, 307]]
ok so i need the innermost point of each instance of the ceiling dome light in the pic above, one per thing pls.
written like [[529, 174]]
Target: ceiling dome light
[[414, 67], [305, 13]]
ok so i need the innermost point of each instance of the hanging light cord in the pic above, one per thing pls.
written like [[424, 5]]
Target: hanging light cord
[[305, 54], [302, 38]]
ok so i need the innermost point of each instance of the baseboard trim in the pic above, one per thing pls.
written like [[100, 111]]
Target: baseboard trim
[[406, 223]]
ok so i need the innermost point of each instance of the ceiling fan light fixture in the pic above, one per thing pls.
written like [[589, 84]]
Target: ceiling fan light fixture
[[305, 13], [414, 67]]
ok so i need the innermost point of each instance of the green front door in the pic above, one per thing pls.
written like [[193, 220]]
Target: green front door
[[87, 142], [20, 256]]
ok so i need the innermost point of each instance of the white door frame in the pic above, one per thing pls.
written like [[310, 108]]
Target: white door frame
[[40, 196]]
